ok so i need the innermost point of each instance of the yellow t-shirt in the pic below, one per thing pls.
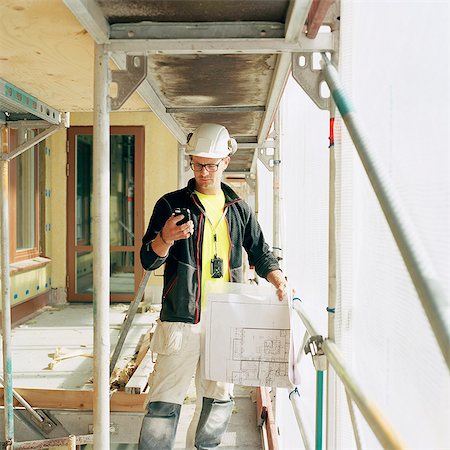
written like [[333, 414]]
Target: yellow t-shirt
[[213, 205]]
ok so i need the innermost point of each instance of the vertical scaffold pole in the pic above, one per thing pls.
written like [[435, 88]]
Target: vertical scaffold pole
[[101, 242], [276, 189], [319, 409], [332, 286], [423, 275], [6, 299], [181, 169]]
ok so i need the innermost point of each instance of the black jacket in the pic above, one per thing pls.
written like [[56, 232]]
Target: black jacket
[[182, 273]]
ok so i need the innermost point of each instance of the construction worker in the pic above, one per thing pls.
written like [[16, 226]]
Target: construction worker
[[206, 247]]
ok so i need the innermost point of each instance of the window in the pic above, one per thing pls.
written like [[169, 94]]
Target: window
[[23, 198]]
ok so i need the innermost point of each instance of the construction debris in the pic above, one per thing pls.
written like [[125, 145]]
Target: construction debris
[[59, 356]]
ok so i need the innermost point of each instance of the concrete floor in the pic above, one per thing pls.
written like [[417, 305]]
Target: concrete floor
[[242, 432], [69, 329]]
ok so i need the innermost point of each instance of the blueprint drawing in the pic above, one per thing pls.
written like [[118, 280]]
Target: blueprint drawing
[[247, 336]]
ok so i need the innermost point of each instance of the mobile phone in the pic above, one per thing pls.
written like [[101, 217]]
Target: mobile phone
[[186, 213]]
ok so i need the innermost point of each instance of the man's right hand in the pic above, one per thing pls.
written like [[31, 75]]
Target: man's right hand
[[172, 232]]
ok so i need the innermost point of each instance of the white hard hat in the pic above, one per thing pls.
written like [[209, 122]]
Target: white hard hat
[[210, 140]]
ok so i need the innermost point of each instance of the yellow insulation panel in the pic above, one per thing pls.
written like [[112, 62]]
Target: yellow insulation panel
[[29, 284]]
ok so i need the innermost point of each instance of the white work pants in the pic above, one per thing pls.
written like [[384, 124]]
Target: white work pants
[[179, 348]]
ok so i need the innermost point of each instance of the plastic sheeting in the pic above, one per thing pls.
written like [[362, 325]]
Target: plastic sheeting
[[394, 64]]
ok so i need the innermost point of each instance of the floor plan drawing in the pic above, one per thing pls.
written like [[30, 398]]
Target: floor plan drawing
[[247, 337], [259, 356], [260, 344]]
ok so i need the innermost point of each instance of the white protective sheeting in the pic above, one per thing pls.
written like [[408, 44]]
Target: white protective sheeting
[[394, 64], [304, 141]]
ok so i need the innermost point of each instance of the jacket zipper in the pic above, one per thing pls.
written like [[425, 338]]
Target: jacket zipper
[[229, 238], [170, 287], [199, 269], [229, 250], [199, 277]]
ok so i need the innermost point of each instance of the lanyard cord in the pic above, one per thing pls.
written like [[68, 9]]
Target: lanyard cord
[[213, 229]]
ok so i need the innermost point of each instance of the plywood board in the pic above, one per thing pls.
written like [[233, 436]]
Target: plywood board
[[47, 53]]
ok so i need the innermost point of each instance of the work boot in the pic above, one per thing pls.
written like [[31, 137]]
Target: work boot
[[159, 426], [213, 422]]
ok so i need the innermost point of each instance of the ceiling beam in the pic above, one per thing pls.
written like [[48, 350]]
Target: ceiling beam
[[91, 17], [295, 22], [323, 43], [215, 109], [197, 30], [296, 18]]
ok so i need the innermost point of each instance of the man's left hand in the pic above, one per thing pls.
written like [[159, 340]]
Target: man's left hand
[[277, 278]]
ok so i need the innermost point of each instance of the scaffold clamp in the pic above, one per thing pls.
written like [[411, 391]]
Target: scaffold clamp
[[314, 346]]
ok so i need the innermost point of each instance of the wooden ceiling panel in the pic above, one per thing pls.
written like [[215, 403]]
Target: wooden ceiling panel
[[242, 126], [212, 80], [47, 53]]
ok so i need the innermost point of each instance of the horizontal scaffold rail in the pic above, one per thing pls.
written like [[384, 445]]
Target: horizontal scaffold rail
[[374, 418]]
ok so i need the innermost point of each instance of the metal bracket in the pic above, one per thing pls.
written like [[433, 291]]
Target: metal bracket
[[314, 346], [309, 79], [266, 159], [45, 426], [266, 153], [128, 80], [113, 428], [250, 178]]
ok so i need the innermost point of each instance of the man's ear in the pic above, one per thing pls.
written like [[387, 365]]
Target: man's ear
[[226, 161]]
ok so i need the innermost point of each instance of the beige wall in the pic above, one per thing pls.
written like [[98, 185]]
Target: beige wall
[[160, 177]]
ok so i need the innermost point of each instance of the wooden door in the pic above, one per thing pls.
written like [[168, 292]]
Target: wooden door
[[126, 212]]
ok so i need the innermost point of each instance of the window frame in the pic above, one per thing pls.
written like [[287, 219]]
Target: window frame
[[14, 254]]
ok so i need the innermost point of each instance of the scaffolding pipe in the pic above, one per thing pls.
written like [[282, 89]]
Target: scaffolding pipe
[[414, 255], [374, 418], [277, 252], [294, 397], [128, 321], [72, 443], [351, 410], [8, 411], [181, 169], [55, 442], [319, 409], [332, 291], [101, 243], [24, 403], [32, 142]]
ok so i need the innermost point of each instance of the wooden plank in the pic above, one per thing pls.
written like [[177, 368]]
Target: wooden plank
[[266, 417], [138, 382], [75, 399], [145, 345]]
